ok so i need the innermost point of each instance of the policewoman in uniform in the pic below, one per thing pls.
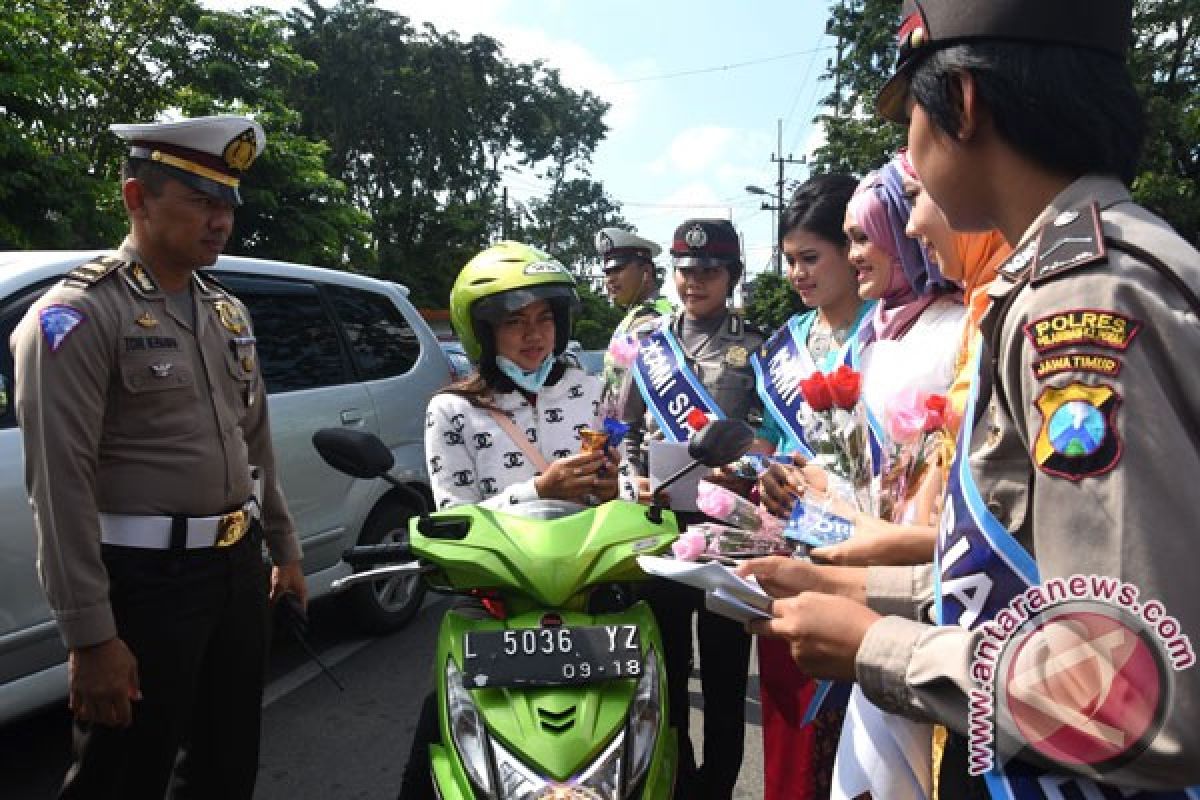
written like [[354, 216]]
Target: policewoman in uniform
[[703, 352], [631, 279], [1078, 447], [152, 480]]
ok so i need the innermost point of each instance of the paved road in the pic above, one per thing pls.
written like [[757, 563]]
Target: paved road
[[320, 743]]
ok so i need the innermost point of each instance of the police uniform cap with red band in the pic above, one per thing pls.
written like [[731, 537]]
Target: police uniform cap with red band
[[209, 154], [929, 25], [707, 243], [617, 247]]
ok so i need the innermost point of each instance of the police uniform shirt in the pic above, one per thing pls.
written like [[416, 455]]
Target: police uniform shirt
[[1102, 488], [471, 459], [717, 351], [126, 408]]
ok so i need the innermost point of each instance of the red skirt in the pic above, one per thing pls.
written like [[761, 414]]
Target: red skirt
[[797, 760]]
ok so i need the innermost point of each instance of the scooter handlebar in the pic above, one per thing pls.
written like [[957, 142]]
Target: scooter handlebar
[[370, 555]]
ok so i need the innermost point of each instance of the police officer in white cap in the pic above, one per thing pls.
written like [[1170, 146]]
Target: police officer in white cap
[[631, 279], [152, 480]]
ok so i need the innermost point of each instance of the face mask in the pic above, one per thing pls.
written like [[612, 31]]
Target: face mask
[[529, 381]]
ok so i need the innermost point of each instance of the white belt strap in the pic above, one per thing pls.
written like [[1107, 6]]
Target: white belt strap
[[154, 533]]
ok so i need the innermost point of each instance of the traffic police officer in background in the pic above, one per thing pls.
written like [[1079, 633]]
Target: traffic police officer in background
[[1079, 448], [711, 344], [152, 480], [631, 280]]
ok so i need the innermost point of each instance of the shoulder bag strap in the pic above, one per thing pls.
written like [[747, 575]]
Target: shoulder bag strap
[[520, 439]]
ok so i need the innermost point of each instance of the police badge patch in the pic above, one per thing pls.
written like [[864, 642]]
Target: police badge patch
[[57, 323], [1078, 437]]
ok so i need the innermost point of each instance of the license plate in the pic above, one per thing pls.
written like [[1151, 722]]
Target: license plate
[[551, 656]]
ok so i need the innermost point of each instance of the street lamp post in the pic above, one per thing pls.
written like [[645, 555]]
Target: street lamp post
[[776, 256]]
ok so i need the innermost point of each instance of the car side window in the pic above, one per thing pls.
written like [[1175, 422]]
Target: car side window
[[297, 340], [382, 342], [12, 309]]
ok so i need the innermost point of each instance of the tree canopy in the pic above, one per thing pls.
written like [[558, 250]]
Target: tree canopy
[[1163, 63], [388, 143]]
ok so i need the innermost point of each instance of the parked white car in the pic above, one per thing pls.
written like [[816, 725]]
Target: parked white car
[[336, 349]]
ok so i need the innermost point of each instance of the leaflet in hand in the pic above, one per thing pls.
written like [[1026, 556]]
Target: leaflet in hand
[[725, 592]]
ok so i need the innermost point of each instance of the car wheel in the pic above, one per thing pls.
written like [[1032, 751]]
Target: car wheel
[[386, 605]]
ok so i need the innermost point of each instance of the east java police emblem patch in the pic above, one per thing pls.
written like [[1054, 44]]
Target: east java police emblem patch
[[57, 322], [1078, 437], [696, 237]]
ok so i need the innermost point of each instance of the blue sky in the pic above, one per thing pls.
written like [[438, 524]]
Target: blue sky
[[678, 146]]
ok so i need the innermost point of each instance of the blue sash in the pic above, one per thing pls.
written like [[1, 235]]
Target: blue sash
[[778, 369], [668, 385], [978, 568], [784, 360]]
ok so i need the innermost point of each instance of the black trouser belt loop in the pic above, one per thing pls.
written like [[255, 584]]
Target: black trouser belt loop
[[178, 534]]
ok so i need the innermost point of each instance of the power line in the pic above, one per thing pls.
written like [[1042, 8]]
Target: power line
[[719, 68]]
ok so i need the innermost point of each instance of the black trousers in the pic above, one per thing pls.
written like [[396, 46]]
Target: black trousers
[[724, 650], [197, 623]]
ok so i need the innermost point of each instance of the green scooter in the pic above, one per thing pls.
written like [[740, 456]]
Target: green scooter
[[559, 692]]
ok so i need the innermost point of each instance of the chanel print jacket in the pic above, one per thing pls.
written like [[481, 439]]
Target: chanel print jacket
[[472, 460]]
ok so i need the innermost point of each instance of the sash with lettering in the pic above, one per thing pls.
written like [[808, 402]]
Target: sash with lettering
[[669, 386], [978, 568], [781, 364]]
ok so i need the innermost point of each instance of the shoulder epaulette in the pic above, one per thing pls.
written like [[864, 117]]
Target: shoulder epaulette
[[210, 282], [94, 271], [1072, 240]]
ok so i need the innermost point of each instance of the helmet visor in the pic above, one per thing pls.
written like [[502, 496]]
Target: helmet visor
[[495, 308]]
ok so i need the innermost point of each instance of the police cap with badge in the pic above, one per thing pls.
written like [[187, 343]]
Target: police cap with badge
[[930, 25], [708, 243], [209, 154], [617, 247]]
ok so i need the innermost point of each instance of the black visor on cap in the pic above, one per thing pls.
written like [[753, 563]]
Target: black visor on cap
[[227, 194], [686, 262], [495, 308]]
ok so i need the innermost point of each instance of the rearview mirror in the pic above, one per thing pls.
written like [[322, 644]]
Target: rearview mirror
[[721, 442], [355, 453]]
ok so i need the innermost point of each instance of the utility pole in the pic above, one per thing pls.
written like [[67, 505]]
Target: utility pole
[[504, 214], [837, 69], [777, 211]]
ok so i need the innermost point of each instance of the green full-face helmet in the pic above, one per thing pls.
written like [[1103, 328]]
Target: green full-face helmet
[[503, 278]]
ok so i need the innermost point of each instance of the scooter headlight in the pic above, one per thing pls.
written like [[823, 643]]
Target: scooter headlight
[[600, 781], [645, 714], [468, 731]]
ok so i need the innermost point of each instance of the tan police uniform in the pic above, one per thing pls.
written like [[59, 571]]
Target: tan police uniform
[[718, 354], [134, 412], [717, 351], [616, 248], [1080, 315], [152, 480]]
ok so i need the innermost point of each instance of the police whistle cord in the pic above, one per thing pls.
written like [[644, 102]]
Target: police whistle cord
[[296, 621]]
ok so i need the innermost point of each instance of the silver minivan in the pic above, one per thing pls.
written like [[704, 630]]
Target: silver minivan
[[336, 349]]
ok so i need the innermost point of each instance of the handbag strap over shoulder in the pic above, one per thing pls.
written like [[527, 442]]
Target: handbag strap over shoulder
[[520, 439]]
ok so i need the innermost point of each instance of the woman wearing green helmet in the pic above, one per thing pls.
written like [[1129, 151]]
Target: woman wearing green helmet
[[511, 431]]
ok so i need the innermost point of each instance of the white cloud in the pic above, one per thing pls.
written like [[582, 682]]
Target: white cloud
[[694, 151]]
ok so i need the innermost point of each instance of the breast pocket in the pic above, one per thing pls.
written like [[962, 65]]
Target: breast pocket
[[142, 376]]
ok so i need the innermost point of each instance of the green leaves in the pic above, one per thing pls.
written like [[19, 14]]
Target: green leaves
[[387, 143], [772, 302], [1164, 62]]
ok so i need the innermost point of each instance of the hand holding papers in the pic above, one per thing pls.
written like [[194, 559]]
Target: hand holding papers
[[725, 592]]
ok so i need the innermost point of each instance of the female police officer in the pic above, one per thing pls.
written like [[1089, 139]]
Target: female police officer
[[703, 352], [1065, 552]]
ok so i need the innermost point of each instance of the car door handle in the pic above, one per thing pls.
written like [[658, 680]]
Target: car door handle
[[352, 416]]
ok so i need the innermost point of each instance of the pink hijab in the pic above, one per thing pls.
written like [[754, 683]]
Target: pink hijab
[[881, 209]]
